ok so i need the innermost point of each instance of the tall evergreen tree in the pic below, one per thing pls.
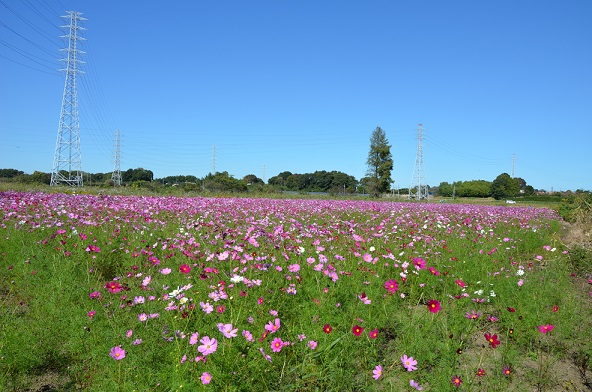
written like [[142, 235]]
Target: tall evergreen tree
[[380, 163]]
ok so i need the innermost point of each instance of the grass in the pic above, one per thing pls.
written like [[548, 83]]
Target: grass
[[80, 271]]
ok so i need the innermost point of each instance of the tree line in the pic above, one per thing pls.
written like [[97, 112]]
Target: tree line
[[377, 182]]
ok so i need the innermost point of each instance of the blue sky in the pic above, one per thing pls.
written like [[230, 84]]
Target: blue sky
[[300, 85]]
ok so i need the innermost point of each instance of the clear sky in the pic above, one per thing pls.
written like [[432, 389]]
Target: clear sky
[[499, 86]]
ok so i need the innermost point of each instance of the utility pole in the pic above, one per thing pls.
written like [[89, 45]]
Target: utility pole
[[116, 175], [67, 160], [421, 191], [513, 165]]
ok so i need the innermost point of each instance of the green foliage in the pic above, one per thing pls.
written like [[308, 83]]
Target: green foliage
[[380, 163], [504, 187], [223, 182], [10, 173], [138, 174], [576, 206]]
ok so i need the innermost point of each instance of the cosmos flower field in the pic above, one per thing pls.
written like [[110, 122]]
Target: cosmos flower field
[[166, 293]]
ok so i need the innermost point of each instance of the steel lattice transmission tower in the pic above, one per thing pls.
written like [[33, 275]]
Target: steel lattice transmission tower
[[67, 160], [418, 189], [116, 175]]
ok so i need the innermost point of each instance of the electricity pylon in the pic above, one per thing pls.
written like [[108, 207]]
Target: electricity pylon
[[67, 161], [421, 190], [116, 175]]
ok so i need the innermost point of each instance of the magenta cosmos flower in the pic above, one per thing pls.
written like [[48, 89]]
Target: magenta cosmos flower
[[546, 328], [117, 353], [434, 306], [391, 286], [184, 268], [419, 263]]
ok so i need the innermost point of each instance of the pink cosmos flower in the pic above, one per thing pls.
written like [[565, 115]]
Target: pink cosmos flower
[[373, 334], [364, 299], [294, 268], [193, 338], [117, 353], [206, 307], [266, 356], [142, 317], [377, 372], [276, 345], [227, 330], [248, 335], [473, 315], [312, 344], [272, 326], [206, 378], [546, 328], [415, 385], [91, 314], [208, 345], [409, 363]]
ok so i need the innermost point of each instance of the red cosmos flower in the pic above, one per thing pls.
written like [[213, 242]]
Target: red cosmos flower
[[357, 330], [460, 283], [433, 306], [434, 271], [391, 286], [373, 334], [492, 339], [184, 268], [511, 310], [555, 308], [327, 328], [456, 381], [480, 372], [507, 371]]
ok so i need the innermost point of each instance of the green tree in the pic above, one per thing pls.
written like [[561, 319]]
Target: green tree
[[250, 179], [380, 163], [504, 186]]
